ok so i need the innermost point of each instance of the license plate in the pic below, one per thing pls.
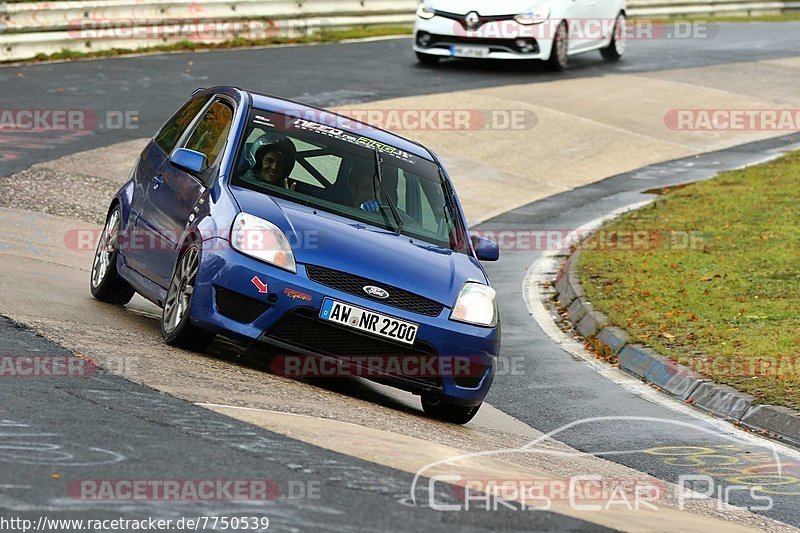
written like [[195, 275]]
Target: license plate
[[368, 321], [468, 51]]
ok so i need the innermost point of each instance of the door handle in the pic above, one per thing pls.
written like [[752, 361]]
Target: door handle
[[158, 181]]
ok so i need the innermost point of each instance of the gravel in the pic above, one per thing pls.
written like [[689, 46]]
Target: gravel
[[78, 186]]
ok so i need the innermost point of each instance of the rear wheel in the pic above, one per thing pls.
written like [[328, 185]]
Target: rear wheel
[[106, 283], [176, 325], [558, 52], [618, 44], [427, 59], [448, 412]]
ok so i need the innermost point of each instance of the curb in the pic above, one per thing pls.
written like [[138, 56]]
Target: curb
[[669, 377]]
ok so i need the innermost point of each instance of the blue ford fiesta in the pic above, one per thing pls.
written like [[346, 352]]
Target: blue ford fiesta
[[268, 221]]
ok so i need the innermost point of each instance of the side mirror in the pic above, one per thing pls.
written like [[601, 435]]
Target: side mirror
[[189, 160], [485, 249]]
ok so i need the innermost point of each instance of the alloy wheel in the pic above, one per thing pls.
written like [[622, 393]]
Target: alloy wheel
[[180, 290], [105, 249]]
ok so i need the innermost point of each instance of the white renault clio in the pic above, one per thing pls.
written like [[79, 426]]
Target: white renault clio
[[549, 30]]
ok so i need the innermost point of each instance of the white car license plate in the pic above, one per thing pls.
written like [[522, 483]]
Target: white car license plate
[[469, 51], [368, 321]]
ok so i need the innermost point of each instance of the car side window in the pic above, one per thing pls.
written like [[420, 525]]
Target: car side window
[[171, 133], [211, 132]]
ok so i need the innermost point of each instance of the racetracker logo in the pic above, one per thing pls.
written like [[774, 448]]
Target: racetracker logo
[[414, 119], [782, 367], [638, 240], [179, 29], [787, 120], [46, 366], [181, 489], [591, 29], [46, 120], [409, 366], [138, 240]]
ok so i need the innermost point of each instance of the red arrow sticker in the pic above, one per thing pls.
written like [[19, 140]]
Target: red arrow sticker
[[260, 285]]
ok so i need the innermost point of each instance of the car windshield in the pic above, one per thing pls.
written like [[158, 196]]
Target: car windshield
[[335, 171]]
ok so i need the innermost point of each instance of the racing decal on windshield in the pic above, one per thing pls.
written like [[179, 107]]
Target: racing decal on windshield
[[365, 142], [263, 121]]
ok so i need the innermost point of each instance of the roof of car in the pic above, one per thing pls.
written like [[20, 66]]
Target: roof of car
[[331, 118]]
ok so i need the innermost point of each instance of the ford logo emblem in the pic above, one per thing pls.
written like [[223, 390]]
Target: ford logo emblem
[[376, 292]]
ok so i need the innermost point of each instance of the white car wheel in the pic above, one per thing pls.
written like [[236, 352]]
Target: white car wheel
[[558, 53], [616, 48]]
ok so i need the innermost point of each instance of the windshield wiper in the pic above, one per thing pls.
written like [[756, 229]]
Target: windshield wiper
[[379, 181]]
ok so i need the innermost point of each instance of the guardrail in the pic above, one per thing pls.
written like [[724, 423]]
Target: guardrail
[[666, 8], [28, 29], [31, 28]]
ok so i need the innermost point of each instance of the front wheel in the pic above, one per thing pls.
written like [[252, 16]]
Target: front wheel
[[176, 325], [106, 283], [558, 53], [618, 44], [448, 412]]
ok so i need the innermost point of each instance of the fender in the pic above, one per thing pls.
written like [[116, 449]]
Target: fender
[[123, 198]]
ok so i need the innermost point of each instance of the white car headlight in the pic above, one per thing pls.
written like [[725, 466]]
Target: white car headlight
[[263, 240], [475, 305], [425, 10], [534, 15]]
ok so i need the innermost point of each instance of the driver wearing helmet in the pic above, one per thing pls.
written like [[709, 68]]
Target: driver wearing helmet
[[274, 164]]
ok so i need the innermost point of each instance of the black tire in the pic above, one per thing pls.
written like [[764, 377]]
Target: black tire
[[615, 49], [176, 325], [448, 412], [558, 53], [105, 282], [427, 59]]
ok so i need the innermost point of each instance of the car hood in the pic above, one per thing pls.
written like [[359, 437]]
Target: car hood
[[331, 241], [486, 9]]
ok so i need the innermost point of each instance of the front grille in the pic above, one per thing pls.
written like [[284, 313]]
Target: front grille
[[302, 329], [463, 18], [352, 284]]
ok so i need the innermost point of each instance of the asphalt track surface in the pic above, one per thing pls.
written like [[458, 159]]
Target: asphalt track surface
[[103, 421], [154, 86]]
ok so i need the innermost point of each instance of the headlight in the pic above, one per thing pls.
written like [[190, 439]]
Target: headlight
[[263, 240], [425, 11], [534, 15], [476, 305]]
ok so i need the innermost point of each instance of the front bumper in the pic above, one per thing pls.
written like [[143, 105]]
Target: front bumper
[[439, 35], [287, 316]]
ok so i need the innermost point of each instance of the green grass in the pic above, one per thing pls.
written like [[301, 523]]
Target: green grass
[[329, 36], [728, 306]]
